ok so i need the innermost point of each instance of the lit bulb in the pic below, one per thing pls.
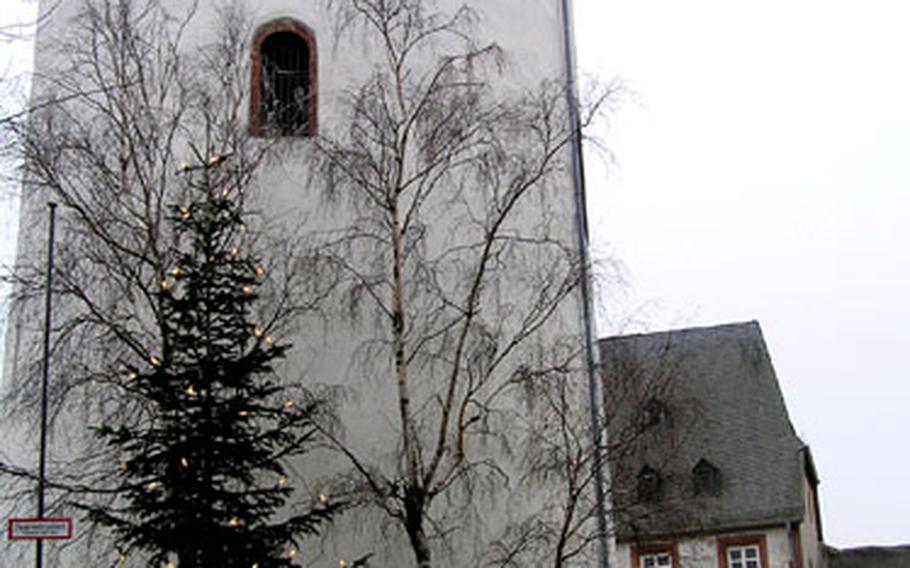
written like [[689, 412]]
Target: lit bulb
[[165, 285], [122, 559], [224, 192], [289, 405], [170, 565], [214, 160], [152, 486], [292, 552], [255, 565], [323, 499], [184, 462], [133, 375], [257, 331], [243, 413], [269, 340], [282, 481], [235, 251], [190, 391], [185, 213], [154, 360], [260, 271], [234, 522], [247, 289], [342, 563], [176, 271]]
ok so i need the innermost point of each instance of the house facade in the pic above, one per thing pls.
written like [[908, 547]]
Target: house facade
[[709, 472]]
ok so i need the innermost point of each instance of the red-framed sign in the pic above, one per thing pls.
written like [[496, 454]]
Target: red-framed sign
[[40, 529]]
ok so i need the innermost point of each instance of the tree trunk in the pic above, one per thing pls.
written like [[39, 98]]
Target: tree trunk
[[419, 543]]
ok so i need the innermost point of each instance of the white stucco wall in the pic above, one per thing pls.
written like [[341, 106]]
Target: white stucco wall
[[530, 34], [702, 551]]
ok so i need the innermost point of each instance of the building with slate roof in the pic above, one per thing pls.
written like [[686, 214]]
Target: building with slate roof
[[706, 466]]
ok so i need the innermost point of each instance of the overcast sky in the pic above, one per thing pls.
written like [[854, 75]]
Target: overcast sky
[[762, 171]]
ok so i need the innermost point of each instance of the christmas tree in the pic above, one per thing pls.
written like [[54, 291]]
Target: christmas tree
[[203, 481]]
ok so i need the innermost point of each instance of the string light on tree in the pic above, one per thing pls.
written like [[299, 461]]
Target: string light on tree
[[200, 489]]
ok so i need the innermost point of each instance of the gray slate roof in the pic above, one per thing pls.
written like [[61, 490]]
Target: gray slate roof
[[723, 404]]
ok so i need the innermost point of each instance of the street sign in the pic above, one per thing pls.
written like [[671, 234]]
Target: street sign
[[40, 529]]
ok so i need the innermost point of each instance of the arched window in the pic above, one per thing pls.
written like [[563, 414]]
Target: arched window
[[284, 87]]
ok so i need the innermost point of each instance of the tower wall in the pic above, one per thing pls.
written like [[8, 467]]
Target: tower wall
[[329, 352]]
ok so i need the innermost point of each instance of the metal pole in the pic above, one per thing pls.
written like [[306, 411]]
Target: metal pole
[[582, 236], [42, 459]]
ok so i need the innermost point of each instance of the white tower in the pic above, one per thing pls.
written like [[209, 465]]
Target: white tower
[[412, 163]]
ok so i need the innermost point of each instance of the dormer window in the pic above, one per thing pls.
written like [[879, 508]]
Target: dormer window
[[654, 412], [649, 484], [706, 478], [283, 97]]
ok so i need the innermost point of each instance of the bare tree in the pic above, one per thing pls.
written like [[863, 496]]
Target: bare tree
[[458, 268], [454, 260], [111, 126], [644, 420]]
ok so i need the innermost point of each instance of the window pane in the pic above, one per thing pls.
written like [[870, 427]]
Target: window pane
[[656, 560], [743, 557]]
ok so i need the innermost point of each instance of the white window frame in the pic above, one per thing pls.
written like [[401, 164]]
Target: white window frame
[[660, 559], [749, 556]]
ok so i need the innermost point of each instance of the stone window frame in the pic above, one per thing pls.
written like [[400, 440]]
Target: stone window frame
[[284, 25]]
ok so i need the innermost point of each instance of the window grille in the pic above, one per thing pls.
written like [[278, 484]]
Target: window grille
[[285, 84]]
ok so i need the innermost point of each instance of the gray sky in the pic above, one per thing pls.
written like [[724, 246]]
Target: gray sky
[[761, 172]]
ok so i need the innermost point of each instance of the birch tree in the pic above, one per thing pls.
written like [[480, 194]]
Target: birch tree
[[459, 262]]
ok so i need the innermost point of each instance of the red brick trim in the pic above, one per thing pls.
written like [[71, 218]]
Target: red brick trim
[[636, 551], [307, 35], [724, 542]]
